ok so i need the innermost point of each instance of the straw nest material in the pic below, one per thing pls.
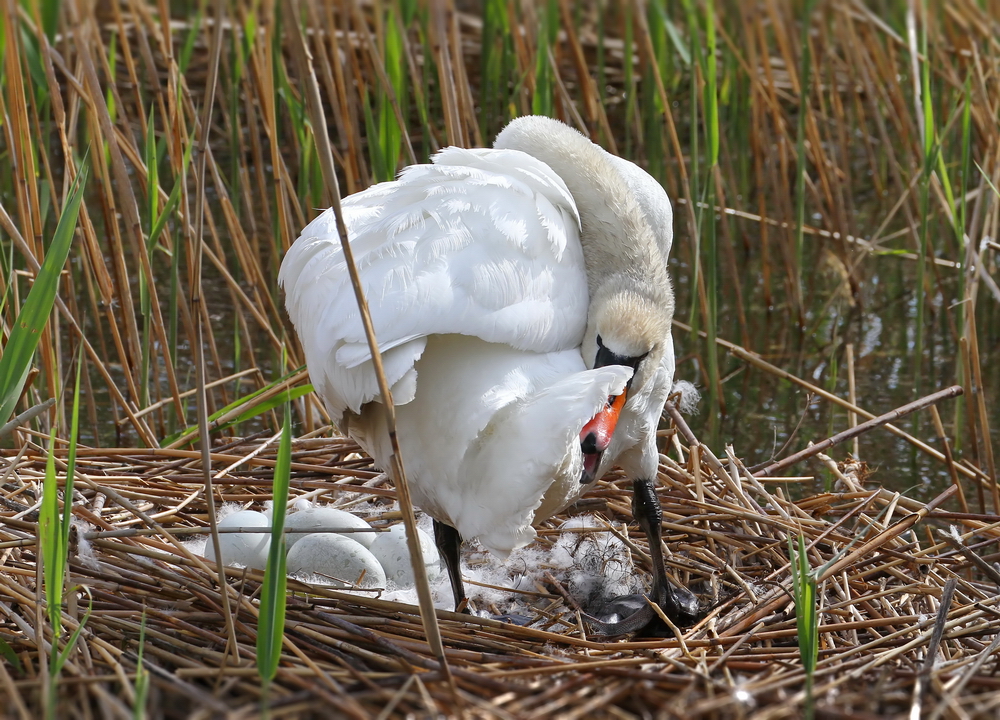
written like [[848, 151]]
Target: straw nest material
[[908, 610]]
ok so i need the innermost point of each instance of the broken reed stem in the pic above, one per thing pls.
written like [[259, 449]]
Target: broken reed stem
[[852, 417]]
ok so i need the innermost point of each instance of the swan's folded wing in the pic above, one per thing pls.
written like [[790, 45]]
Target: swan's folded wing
[[482, 243], [530, 450]]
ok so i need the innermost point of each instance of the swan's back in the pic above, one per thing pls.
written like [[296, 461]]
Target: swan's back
[[482, 243]]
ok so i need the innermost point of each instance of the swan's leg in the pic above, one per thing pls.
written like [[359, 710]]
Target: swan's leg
[[637, 615], [679, 604], [647, 513], [449, 544]]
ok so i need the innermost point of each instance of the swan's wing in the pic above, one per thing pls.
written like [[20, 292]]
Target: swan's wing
[[482, 243], [492, 440], [545, 429]]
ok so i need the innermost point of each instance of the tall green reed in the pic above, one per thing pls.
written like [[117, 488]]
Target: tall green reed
[[963, 245], [271, 619], [929, 161], [543, 100], [31, 320], [53, 542], [497, 66], [711, 104]]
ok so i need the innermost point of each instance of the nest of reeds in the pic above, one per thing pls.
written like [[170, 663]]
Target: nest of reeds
[[908, 610]]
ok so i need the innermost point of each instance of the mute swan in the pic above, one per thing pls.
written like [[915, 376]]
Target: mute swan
[[521, 302]]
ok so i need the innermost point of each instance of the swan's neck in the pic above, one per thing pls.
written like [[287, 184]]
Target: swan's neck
[[620, 248]]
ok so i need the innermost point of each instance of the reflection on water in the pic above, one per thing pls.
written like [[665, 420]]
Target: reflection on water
[[763, 411]]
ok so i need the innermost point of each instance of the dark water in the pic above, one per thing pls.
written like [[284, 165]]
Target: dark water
[[763, 411]]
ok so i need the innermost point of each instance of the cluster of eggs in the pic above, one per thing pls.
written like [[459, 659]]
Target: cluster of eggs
[[355, 556]]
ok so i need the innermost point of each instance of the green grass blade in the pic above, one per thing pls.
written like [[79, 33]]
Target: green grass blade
[[8, 654], [141, 676], [60, 658], [711, 87], [271, 621], [394, 58], [57, 659], [925, 183], [250, 413], [51, 10], [27, 329], [50, 540], [74, 434], [675, 36], [543, 102], [989, 182], [806, 615]]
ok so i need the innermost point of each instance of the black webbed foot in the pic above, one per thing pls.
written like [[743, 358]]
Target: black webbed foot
[[635, 614], [514, 619]]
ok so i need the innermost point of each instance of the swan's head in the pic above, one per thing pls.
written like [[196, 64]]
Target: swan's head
[[628, 325]]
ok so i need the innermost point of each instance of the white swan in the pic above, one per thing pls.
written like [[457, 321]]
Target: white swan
[[521, 302]]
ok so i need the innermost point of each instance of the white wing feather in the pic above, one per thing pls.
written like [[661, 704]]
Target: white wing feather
[[447, 248]]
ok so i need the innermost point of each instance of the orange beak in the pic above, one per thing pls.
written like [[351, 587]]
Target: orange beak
[[596, 436], [602, 426]]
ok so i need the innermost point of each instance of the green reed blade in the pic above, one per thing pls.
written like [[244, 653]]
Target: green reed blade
[[271, 621], [8, 654], [184, 59], [141, 675], [806, 615], [711, 88], [54, 550], [253, 411], [497, 54], [694, 169], [27, 329], [711, 99], [376, 156], [394, 60], [151, 160], [74, 435], [929, 162], [543, 102], [675, 35], [51, 10], [58, 658], [960, 212]]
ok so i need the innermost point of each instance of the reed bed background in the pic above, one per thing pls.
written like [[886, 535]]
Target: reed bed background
[[834, 167]]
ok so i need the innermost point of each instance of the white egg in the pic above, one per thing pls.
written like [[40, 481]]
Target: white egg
[[391, 550], [309, 520], [248, 549], [338, 558]]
